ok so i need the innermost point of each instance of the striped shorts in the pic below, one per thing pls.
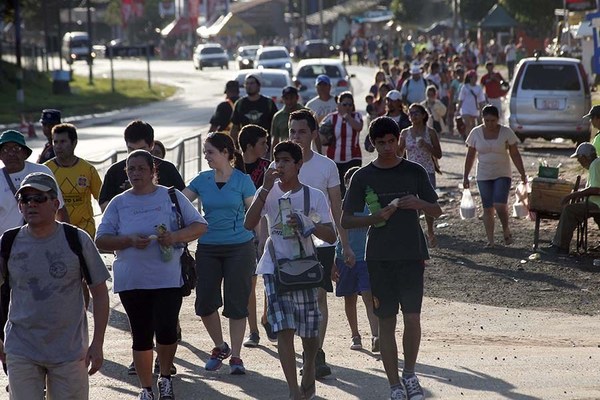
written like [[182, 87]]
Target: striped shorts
[[297, 310]]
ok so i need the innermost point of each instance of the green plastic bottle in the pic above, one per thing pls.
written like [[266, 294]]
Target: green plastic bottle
[[372, 201]]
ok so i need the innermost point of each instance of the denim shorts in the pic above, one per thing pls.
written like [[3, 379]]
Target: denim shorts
[[297, 309], [352, 280], [395, 284], [494, 191]]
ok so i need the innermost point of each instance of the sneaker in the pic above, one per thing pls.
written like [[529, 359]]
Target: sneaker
[[217, 357], [398, 394], [253, 340], [413, 388], [272, 336], [173, 370], [375, 344], [146, 394], [165, 389], [131, 369], [236, 366], [356, 343], [321, 367]]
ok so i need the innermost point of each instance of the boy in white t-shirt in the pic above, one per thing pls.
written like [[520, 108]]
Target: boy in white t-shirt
[[294, 311]]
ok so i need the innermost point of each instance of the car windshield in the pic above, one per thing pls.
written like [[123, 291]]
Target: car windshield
[[267, 80], [211, 50], [551, 77], [79, 42], [312, 71], [271, 55], [248, 52]]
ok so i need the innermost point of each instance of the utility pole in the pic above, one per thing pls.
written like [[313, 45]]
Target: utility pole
[[90, 58], [19, 74]]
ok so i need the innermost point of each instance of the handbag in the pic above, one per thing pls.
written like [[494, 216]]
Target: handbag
[[188, 264], [301, 273]]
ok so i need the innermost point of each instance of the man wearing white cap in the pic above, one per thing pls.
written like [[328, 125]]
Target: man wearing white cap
[[573, 214], [322, 105], [413, 89], [393, 105]]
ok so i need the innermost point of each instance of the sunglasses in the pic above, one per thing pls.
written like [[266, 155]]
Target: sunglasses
[[36, 198], [347, 104]]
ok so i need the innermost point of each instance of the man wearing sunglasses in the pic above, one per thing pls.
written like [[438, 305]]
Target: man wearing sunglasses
[[47, 339], [14, 153]]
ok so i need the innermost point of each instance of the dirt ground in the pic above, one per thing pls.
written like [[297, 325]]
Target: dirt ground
[[461, 269]]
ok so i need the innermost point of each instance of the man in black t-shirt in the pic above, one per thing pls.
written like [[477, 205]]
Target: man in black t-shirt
[[254, 108], [221, 119], [139, 135]]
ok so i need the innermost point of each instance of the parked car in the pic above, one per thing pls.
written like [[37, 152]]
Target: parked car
[[210, 55], [317, 48], [245, 56], [76, 46], [272, 82], [309, 69], [276, 57], [547, 98]]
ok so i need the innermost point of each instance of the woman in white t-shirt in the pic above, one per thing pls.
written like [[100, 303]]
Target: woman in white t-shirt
[[470, 100], [494, 145]]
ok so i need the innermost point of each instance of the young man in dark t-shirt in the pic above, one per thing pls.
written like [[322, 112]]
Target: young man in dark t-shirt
[[139, 135], [396, 247], [221, 119], [253, 143], [254, 108]]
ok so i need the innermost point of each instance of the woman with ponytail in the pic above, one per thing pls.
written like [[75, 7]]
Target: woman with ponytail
[[226, 252]]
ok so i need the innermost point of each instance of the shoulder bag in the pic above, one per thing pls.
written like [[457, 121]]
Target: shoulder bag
[[188, 264], [301, 273]]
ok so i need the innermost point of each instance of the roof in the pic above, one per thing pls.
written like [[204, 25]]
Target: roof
[[177, 27], [348, 8], [497, 18], [239, 7], [227, 25]]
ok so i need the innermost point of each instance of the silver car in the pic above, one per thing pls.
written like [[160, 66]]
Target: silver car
[[210, 55], [547, 98], [275, 57], [272, 82], [309, 69]]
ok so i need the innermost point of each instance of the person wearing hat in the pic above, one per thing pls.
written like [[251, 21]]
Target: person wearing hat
[[50, 118], [279, 126], [47, 343], [594, 116], [395, 109], [254, 108], [573, 214], [221, 119], [413, 89], [322, 104], [14, 153]]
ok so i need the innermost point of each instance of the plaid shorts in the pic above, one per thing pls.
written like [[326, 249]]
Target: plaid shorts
[[297, 310]]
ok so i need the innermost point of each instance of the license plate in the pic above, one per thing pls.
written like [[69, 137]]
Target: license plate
[[550, 105]]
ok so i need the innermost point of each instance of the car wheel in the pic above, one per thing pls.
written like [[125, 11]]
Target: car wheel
[[521, 137], [200, 67], [226, 66], [581, 139]]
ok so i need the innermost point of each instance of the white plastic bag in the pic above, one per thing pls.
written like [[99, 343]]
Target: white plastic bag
[[467, 205], [521, 205]]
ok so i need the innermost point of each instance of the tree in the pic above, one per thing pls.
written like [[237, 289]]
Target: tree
[[474, 10], [538, 14]]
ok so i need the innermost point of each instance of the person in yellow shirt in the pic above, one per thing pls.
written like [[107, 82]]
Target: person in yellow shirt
[[78, 179], [594, 116]]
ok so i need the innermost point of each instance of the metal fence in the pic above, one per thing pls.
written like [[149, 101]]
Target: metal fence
[[185, 153]]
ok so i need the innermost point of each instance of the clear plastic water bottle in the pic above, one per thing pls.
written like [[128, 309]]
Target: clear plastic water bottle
[[166, 252]]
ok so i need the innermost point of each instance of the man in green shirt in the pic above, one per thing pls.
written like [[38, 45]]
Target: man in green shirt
[[594, 116], [279, 125]]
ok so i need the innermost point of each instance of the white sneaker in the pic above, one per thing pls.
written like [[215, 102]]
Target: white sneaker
[[356, 343], [413, 388], [146, 394]]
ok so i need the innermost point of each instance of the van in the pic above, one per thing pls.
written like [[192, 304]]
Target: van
[[76, 46], [547, 98]]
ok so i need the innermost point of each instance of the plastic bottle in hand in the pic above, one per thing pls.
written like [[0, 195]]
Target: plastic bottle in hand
[[166, 252], [372, 201]]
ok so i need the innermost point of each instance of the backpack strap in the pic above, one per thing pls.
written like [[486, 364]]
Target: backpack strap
[[175, 201], [72, 235], [8, 238]]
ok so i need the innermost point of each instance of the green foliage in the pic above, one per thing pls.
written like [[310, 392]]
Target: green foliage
[[418, 11], [474, 10], [537, 14], [84, 99]]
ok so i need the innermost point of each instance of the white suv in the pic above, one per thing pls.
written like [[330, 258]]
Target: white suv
[[210, 55], [547, 98]]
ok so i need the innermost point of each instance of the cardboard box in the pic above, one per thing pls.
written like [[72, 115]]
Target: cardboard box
[[547, 194]]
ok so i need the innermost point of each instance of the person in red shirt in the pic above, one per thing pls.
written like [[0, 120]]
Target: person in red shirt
[[492, 84]]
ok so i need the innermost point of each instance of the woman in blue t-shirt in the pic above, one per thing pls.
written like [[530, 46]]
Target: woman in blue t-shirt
[[226, 252]]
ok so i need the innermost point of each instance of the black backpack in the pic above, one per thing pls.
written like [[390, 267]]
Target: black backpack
[[8, 238]]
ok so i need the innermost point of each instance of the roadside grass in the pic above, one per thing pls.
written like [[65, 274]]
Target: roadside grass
[[84, 98]]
